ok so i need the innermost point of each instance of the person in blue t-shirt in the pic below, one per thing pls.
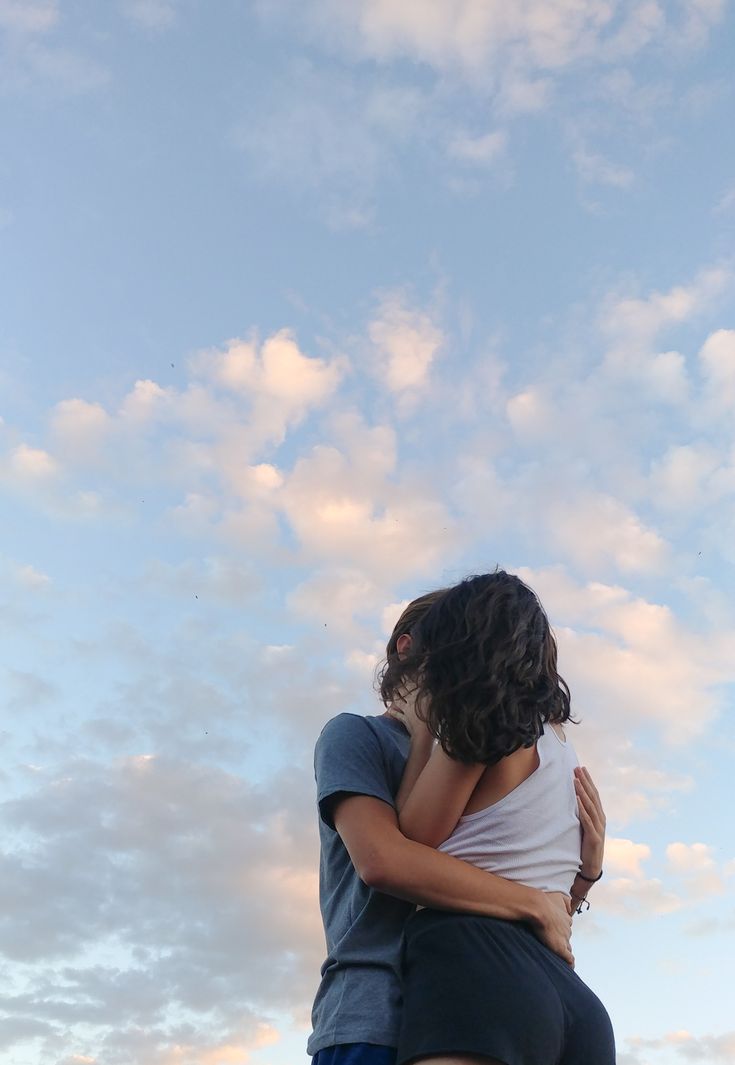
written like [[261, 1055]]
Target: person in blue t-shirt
[[371, 878]]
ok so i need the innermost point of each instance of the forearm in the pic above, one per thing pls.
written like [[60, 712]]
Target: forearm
[[430, 878], [438, 798]]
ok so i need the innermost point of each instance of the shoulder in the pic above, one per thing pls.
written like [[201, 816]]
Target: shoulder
[[345, 726], [352, 726], [352, 737]]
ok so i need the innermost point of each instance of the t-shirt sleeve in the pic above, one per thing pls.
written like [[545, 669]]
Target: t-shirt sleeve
[[348, 759]]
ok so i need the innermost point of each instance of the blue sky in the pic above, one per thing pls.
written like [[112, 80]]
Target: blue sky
[[305, 309]]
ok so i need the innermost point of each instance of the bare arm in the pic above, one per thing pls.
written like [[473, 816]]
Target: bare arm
[[387, 861], [435, 788], [437, 800]]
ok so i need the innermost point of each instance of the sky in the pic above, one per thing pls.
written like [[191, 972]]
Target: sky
[[305, 309]]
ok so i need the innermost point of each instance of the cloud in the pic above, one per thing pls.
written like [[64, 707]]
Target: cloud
[[481, 150], [709, 1048], [530, 413], [80, 429], [596, 169], [151, 14], [29, 16], [31, 463], [406, 343], [633, 659], [598, 528], [483, 41], [348, 507], [633, 323], [210, 579], [683, 477], [27, 691], [696, 865], [322, 132], [624, 856], [636, 898], [717, 359], [29, 578], [32, 60], [692, 876], [194, 870]]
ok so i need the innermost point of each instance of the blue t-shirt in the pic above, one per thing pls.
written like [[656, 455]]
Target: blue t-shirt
[[359, 997]]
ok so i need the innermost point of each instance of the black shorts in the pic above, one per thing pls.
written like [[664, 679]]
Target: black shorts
[[478, 985]]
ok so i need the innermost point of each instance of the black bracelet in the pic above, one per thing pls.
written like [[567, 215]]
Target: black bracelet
[[590, 879]]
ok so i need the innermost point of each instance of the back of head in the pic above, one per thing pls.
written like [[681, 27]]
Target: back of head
[[393, 672], [483, 657]]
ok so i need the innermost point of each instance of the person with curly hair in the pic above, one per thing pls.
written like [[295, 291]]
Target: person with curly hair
[[371, 876], [497, 785]]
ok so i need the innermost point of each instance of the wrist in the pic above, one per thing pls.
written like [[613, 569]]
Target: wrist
[[535, 908], [589, 875]]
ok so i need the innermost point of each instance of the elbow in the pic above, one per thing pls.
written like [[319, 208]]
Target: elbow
[[423, 834], [380, 869], [374, 872]]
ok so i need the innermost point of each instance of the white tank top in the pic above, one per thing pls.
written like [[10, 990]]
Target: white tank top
[[533, 833]]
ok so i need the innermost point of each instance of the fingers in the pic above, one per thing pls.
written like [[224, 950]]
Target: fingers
[[583, 778], [589, 797]]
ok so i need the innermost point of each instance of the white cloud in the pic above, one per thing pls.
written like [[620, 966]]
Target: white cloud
[[30, 577], [634, 323], [696, 865], [344, 507], [623, 856], [324, 133], [146, 401], [282, 382], [80, 429], [635, 897], [594, 529], [32, 464], [212, 579], [595, 168], [481, 150], [406, 342], [710, 1048], [29, 16], [335, 598], [530, 413], [487, 41], [193, 872], [681, 478], [630, 659], [717, 358]]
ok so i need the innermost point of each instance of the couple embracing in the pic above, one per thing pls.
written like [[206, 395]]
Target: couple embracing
[[450, 870]]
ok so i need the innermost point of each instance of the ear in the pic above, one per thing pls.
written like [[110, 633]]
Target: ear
[[403, 645]]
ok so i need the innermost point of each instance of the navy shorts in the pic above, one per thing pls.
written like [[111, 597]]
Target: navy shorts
[[479, 985], [356, 1054]]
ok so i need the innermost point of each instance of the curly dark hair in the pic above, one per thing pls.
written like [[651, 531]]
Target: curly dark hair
[[483, 663]]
